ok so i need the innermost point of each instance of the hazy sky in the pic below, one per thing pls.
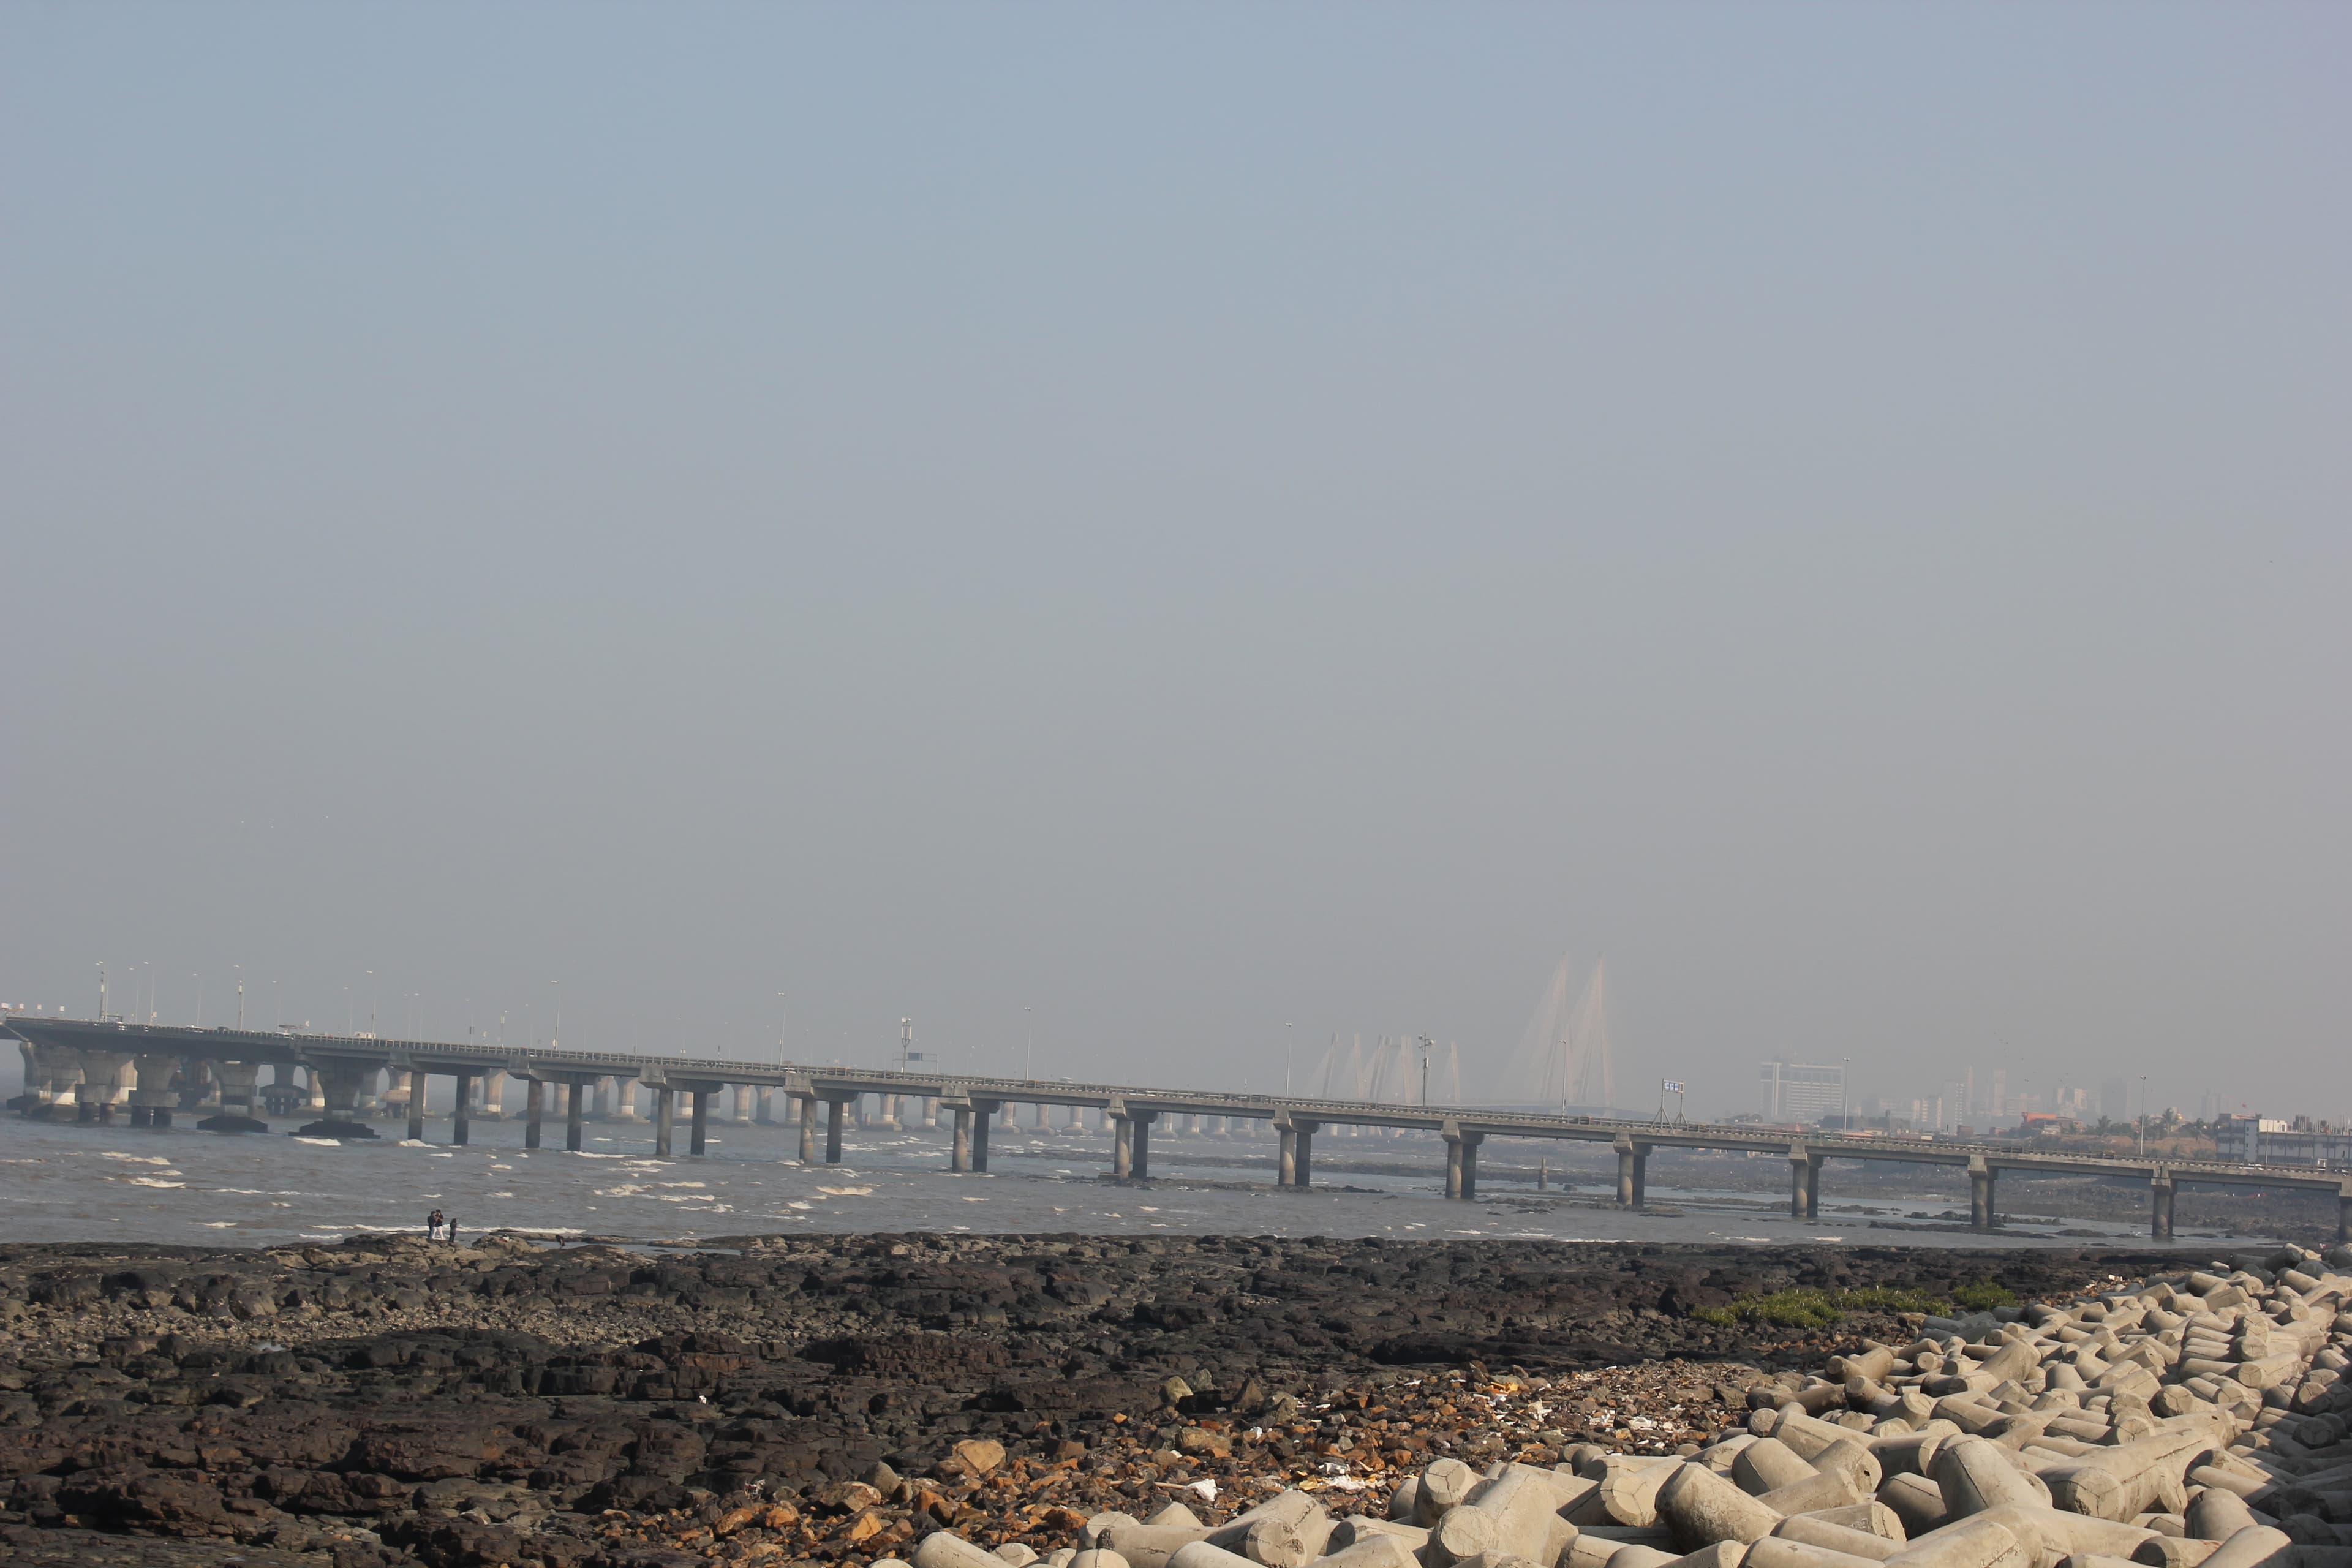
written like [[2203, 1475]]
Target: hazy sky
[[1178, 528]]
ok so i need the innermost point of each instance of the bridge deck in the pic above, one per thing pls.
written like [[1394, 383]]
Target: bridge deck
[[837, 1082]]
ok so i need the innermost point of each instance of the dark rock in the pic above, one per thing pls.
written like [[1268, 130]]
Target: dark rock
[[336, 1129]]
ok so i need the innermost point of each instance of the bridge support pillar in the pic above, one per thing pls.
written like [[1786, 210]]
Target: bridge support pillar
[[835, 1113], [805, 1105], [1286, 1161], [1122, 1147], [1804, 1183], [340, 1086], [416, 1105], [665, 1120], [571, 1096], [697, 1130], [534, 1108], [1633, 1173], [461, 1122], [983, 1111], [151, 1102], [1141, 1166], [1302, 1170], [494, 1095], [764, 1107], [1981, 1177], [237, 1091], [2160, 1191], [960, 1152], [742, 1116]]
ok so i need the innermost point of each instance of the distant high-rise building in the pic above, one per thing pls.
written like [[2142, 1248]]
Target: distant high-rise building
[[1802, 1092], [1999, 1105], [2114, 1099]]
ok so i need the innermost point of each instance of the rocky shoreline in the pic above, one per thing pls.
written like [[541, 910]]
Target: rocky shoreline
[[773, 1400]]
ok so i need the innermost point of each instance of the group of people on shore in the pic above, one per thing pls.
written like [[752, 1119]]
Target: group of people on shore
[[437, 1223]]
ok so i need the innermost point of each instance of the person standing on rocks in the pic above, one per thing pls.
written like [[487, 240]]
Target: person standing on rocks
[[451, 1227], [432, 1226]]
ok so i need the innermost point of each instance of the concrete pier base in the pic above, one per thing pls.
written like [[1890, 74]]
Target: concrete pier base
[[960, 1154], [534, 1101], [983, 1112], [571, 1097], [2160, 1191], [1982, 1195], [664, 1120], [835, 1113], [805, 1104], [1633, 1173], [1122, 1147], [699, 1129], [1804, 1184], [415, 1105], [461, 1127]]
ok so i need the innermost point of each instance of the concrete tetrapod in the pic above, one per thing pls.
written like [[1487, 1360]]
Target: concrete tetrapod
[[1637, 1556], [1975, 1474], [1512, 1516], [1970, 1544], [1722, 1554], [1374, 1552], [945, 1549], [2257, 1546], [2141, 1477], [1917, 1501], [2050, 1535], [1198, 1554], [1811, 1529], [1630, 1488], [1767, 1464], [1445, 1484], [1822, 1489], [1701, 1507], [1147, 1545], [1780, 1551], [1872, 1518], [2218, 1514]]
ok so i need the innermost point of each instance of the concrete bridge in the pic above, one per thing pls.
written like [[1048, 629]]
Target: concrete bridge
[[90, 1069]]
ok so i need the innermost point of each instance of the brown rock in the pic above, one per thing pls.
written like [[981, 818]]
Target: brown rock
[[847, 1497], [978, 1456]]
